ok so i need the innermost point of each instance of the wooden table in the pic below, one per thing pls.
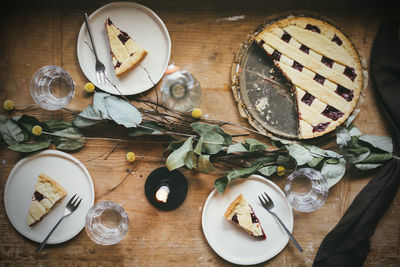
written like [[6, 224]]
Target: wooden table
[[204, 42]]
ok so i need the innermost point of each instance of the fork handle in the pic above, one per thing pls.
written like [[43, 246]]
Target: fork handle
[[90, 34], [39, 248], [289, 233]]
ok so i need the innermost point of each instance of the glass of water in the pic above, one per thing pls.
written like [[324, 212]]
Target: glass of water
[[106, 223], [52, 87], [306, 189]]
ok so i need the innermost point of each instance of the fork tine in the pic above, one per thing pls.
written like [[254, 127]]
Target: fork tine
[[70, 201], [269, 199], [77, 204], [262, 203]]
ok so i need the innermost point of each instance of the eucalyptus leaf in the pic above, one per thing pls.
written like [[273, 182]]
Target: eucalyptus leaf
[[315, 161], [354, 131], [199, 146], [367, 166], [316, 151], [11, 132], [266, 160], [200, 128], [355, 155], [255, 145], [175, 144], [382, 142], [204, 164], [57, 125], [333, 173], [350, 119], [342, 136], [29, 147], [155, 129], [122, 112], [332, 161], [243, 173], [301, 154], [27, 122], [177, 158], [69, 139], [212, 142], [237, 147], [82, 122], [221, 183], [99, 105], [90, 113], [190, 160], [283, 160], [377, 158], [268, 170]]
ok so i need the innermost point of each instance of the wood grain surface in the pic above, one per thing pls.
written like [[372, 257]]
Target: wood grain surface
[[205, 37]]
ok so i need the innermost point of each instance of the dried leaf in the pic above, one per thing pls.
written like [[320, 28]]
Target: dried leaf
[[31, 147], [122, 112], [238, 147], [204, 164], [333, 173], [255, 145], [301, 154], [267, 170], [11, 132], [177, 158], [69, 139], [382, 142]]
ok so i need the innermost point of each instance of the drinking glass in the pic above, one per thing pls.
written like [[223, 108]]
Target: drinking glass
[[306, 189], [106, 223], [52, 87]]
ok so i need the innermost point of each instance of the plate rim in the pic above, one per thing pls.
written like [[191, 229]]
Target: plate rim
[[253, 260], [48, 152], [155, 17]]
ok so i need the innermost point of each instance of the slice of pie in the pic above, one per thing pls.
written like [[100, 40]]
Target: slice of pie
[[47, 193], [125, 52], [241, 214], [322, 65]]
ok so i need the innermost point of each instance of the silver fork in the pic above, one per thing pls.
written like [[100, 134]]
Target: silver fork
[[72, 205], [268, 204], [100, 68]]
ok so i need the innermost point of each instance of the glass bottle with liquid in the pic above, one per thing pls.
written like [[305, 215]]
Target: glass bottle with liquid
[[180, 91]]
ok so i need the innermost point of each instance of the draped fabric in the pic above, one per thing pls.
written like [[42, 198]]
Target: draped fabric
[[348, 243]]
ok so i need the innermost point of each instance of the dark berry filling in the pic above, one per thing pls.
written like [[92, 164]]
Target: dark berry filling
[[123, 37], [337, 40], [305, 49], [320, 127], [296, 65], [276, 55], [345, 93], [332, 113], [286, 37], [262, 42], [313, 28], [254, 219], [307, 99], [350, 72], [235, 219], [319, 79], [109, 22], [118, 64], [327, 61], [38, 196]]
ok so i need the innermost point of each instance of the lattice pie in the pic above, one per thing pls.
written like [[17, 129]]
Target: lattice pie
[[323, 67], [125, 52], [47, 193], [241, 214]]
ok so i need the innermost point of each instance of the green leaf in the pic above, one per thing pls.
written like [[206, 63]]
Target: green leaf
[[367, 166], [221, 183], [332, 161], [377, 158], [31, 147], [315, 161], [355, 155], [82, 122], [350, 119], [99, 105], [237, 147], [90, 113], [354, 131], [199, 146], [177, 158], [175, 144], [342, 136], [268, 170], [382, 142], [283, 160], [266, 160], [69, 139], [333, 173], [212, 142], [155, 129], [204, 164], [243, 173], [122, 112], [200, 128], [11, 132], [57, 125], [255, 145], [190, 160], [301, 154]]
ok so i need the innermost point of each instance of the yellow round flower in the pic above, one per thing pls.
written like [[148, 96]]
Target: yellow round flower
[[89, 87], [280, 170], [8, 105], [196, 113], [37, 130], [130, 156]]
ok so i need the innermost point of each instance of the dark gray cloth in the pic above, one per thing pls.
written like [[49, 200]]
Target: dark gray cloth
[[348, 243]]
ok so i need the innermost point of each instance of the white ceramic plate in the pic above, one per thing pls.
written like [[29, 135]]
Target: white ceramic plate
[[237, 246], [20, 185], [145, 27]]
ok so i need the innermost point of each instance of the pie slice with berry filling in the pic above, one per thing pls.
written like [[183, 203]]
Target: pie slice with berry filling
[[323, 67], [241, 214], [47, 193], [125, 52]]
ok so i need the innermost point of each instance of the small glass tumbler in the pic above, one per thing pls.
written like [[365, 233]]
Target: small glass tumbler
[[52, 87], [306, 190], [106, 223]]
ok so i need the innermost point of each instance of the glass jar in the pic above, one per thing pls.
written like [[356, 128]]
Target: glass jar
[[180, 91]]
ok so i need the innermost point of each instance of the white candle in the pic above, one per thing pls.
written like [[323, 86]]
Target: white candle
[[162, 193]]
